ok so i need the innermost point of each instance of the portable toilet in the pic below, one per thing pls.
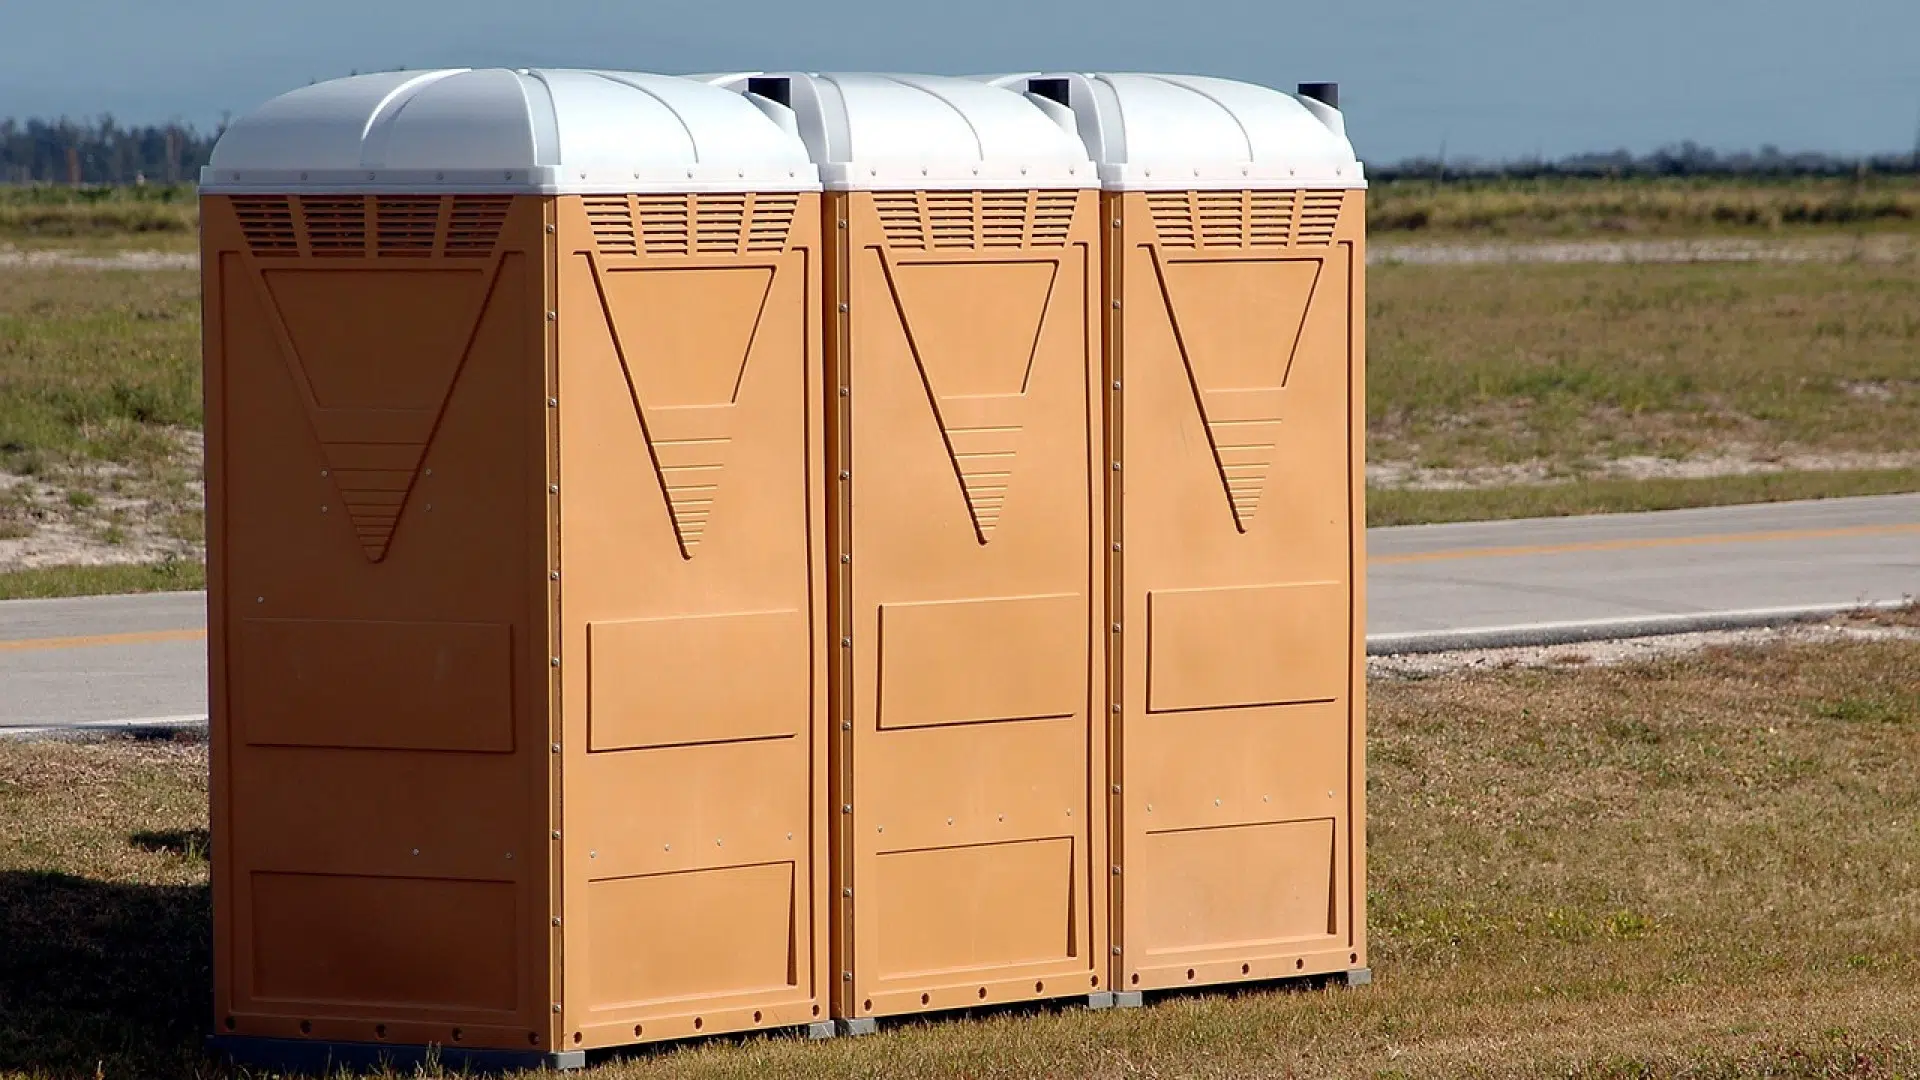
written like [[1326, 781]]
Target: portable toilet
[[516, 498], [963, 283], [1234, 386]]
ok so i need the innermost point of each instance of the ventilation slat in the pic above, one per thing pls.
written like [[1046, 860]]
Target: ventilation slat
[[1240, 219], [965, 220]]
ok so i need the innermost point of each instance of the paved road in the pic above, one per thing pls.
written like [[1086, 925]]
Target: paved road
[[111, 659]]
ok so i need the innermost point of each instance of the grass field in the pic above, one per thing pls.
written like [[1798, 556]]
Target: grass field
[[1573, 208], [1494, 390], [1698, 866]]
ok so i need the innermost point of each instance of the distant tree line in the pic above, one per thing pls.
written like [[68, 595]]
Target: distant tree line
[[103, 151], [1684, 160]]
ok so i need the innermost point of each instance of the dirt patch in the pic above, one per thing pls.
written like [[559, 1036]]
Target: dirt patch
[[15, 258], [1873, 249], [102, 514], [1735, 461]]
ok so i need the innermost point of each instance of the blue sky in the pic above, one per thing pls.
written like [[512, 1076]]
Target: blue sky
[[1488, 78]]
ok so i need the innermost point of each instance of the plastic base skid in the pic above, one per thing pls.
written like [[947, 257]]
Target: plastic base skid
[[322, 1058], [1360, 977], [860, 1025]]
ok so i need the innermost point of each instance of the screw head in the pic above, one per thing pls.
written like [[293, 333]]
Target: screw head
[[556, 834]]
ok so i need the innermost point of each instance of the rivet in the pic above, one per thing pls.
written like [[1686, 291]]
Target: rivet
[[845, 475], [1149, 808], [429, 506], [717, 842], [552, 315], [549, 228], [949, 822], [1116, 950], [509, 856], [843, 223], [1116, 547], [846, 558], [846, 976], [843, 307], [555, 661], [556, 834], [1116, 628], [556, 748], [439, 176], [556, 920], [553, 402], [1216, 802], [1116, 871], [259, 599], [1116, 224], [844, 391], [846, 642], [556, 1006], [846, 808], [1116, 789], [1116, 466], [429, 472], [1329, 794], [323, 472], [554, 489], [1116, 384], [879, 828], [1116, 304], [416, 851], [846, 725], [323, 509], [846, 892], [555, 576], [593, 854], [789, 836]]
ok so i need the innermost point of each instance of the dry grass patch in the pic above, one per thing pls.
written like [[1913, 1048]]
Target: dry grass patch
[[1701, 866], [1566, 368]]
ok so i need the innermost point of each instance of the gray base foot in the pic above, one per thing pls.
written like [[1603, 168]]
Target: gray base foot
[[865, 1025], [1360, 977], [1128, 999], [822, 1030], [1100, 1001]]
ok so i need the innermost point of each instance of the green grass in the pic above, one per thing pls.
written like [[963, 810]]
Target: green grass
[[1699, 866], [1571, 365], [1579, 208], [1390, 506], [61, 213], [96, 365], [177, 575]]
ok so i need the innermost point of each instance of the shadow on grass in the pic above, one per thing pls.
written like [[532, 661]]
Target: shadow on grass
[[187, 843], [100, 978]]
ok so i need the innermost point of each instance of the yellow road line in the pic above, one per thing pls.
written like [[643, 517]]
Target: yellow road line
[[1644, 543], [142, 637]]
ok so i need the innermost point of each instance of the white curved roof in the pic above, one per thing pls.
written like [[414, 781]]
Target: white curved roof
[[1183, 132], [917, 132], [546, 131]]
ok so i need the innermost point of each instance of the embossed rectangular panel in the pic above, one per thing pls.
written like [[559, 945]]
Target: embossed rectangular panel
[[700, 933], [643, 691], [967, 474], [1235, 594], [375, 685], [1259, 645], [944, 911], [1235, 887], [970, 661], [387, 941]]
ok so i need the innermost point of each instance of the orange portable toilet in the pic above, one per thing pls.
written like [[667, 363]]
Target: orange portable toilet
[[516, 494], [963, 279], [1235, 539]]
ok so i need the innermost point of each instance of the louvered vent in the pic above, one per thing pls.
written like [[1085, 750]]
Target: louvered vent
[[408, 226], [405, 226], [336, 224], [1238, 219], [665, 225], [1319, 217], [267, 223], [474, 227], [975, 220], [611, 218]]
